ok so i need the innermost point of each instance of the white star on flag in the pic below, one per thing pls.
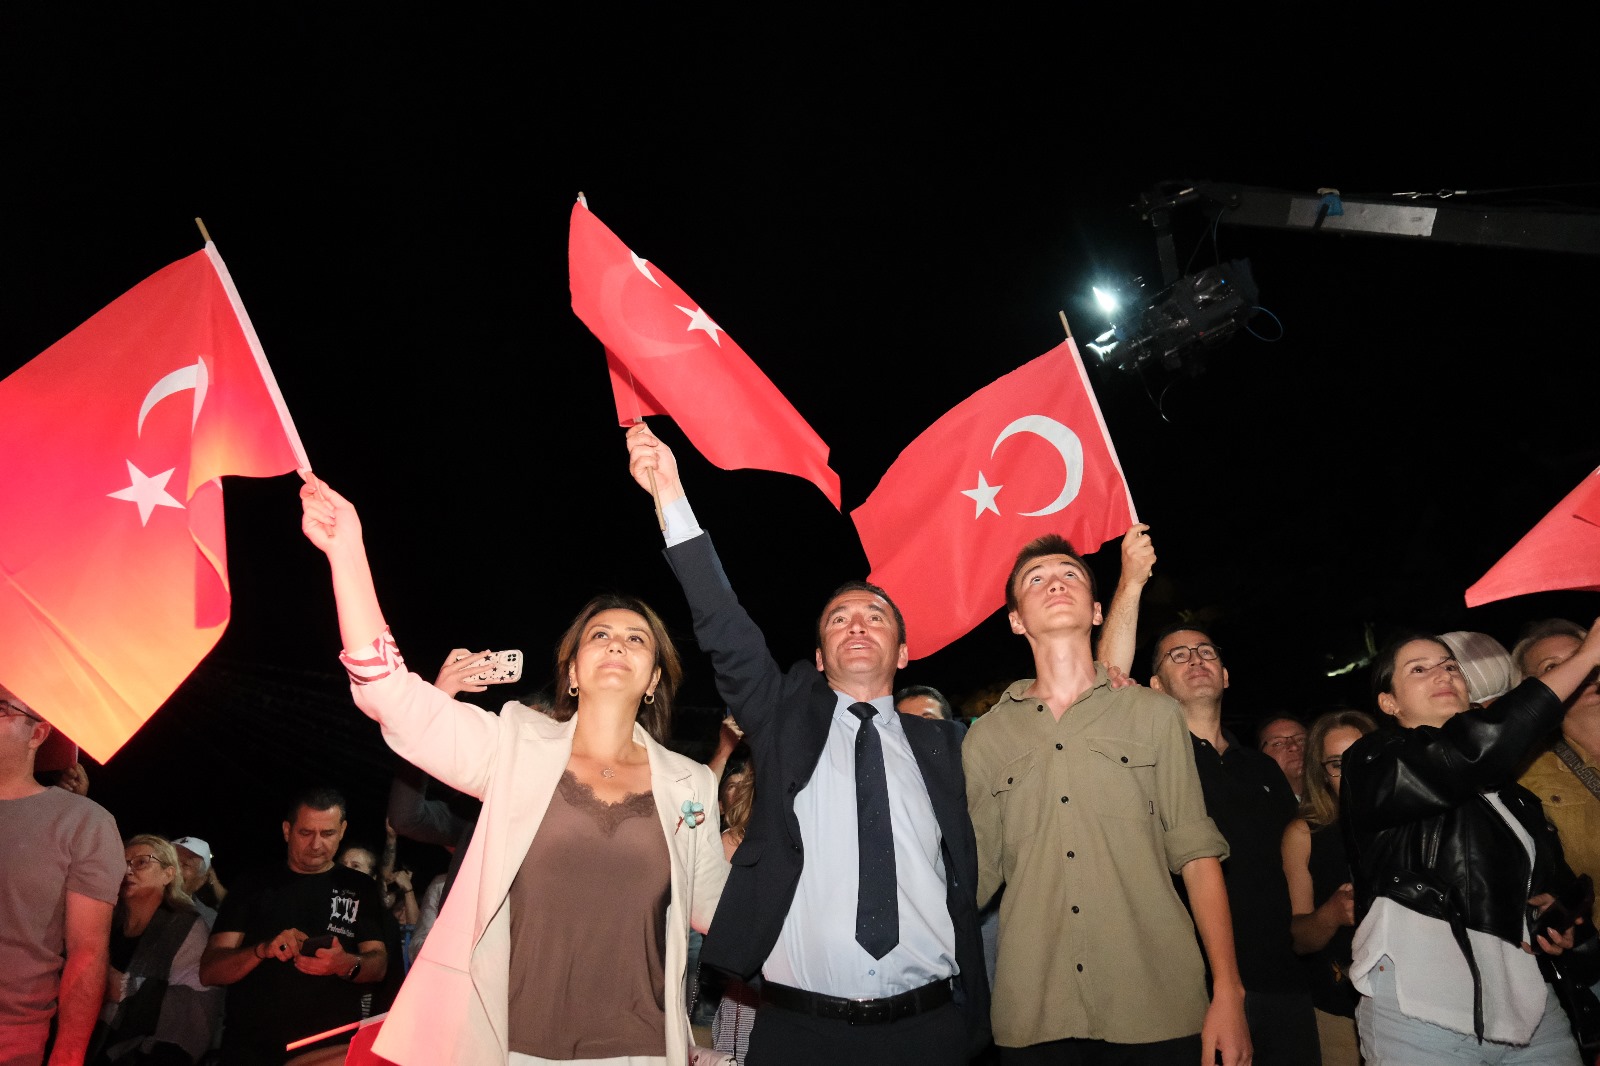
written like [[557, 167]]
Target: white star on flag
[[148, 492], [698, 319], [643, 266], [983, 496]]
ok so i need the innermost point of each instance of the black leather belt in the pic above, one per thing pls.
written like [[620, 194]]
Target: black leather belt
[[858, 1011]]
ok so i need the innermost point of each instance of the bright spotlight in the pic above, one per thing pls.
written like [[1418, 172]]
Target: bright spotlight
[[1107, 300]]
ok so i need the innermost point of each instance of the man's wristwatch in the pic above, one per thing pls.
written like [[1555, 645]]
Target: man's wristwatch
[[354, 971]]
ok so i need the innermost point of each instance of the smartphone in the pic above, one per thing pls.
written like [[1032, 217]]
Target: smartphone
[[1577, 902], [314, 944], [500, 667]]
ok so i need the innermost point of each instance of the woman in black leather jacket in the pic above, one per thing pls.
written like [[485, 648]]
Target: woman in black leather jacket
[[1448, 852]]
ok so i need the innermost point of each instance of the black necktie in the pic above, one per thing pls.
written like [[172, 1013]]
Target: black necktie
[[877, 917]]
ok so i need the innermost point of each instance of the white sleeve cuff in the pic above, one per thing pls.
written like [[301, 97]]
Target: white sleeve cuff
[[681, 523]]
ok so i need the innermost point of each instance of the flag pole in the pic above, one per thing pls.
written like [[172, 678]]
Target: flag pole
[[198, 221], [655, 493], [1064, 325]]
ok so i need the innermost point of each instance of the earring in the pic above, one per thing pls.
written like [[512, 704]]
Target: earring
[[572, 691], [649, 698]]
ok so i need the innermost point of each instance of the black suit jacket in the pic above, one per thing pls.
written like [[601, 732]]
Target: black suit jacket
[[785, 715]]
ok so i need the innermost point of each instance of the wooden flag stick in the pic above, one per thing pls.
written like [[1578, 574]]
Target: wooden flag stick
[[655, 493], [203, 234], [1064, 325]]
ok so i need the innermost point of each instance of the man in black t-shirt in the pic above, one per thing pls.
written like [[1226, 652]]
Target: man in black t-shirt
[[293, 946], [1248, 796]]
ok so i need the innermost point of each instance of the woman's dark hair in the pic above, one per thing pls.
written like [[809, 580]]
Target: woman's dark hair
[[1383, 665], [656, 716]]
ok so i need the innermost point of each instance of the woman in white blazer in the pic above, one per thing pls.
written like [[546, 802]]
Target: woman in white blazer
[[497, 938]]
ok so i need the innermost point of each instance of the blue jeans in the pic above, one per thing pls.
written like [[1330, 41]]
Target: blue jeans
[[1390, 1038]]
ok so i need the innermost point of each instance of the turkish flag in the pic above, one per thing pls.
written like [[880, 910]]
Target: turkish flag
[[1022, 457], [1562, 552], [668, 357], [360, 1052], [113, 563]]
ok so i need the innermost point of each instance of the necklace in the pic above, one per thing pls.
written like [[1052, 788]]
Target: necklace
[[606, 771]]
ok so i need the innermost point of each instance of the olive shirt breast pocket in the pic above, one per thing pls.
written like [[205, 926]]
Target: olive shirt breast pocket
[[1015, 788], [1121, 777]]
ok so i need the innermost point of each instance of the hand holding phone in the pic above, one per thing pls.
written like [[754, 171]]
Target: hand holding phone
[[499, 667]]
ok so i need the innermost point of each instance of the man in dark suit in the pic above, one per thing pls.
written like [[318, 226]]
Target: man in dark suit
[[853, 894]]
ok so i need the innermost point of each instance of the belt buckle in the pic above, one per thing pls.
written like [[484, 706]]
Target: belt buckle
[[870, 1011]]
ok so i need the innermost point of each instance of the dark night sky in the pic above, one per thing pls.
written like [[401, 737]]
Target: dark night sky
[[886, 213]]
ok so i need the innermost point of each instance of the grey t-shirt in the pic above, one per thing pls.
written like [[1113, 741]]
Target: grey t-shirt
[[54, 842]]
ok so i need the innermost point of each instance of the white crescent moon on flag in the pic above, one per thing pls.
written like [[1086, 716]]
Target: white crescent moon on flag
[[1064, 441], [189, 377]]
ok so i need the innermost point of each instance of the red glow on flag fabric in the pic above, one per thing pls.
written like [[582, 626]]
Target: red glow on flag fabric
[[667, 356], [1560, 553], [113, 562], [1019, 458], [360, 1052]]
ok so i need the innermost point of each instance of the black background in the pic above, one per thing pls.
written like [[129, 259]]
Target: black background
[[886, 210]]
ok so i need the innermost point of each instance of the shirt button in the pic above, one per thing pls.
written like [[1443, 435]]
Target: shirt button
[[1040, 707], [1008, 780], [1124, 758], [1058, 747], [1074, 910], [1080, 967], [1072, 855], [1063, 799]]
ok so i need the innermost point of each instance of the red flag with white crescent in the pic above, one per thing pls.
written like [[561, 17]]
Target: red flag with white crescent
[[668, 356], [113, 561], [1024, 456]]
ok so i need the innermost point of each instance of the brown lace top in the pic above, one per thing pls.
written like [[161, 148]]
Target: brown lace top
[[588, 929]]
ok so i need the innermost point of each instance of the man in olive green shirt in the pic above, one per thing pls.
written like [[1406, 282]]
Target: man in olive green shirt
[[1085, 802]]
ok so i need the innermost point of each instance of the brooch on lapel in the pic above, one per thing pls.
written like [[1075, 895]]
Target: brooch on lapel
[[693, 813]]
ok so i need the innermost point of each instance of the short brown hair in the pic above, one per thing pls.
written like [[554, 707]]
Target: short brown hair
[[1038, 548], [656, 716]]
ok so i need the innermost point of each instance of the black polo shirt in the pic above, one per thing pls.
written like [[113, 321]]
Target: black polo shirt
[[1251, 802]]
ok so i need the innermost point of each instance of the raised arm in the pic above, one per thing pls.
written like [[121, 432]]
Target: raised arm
[[1120, 634], [748, 678], [452, 741], [330, 522]]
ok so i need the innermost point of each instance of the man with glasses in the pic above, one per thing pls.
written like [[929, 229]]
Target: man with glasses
[[1249, 798], [1085, 804], [1283, 740], [59, 877]]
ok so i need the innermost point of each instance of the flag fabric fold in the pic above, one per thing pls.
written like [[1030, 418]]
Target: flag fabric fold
[[113, 560], [1024, 456], [1560, 553], [667, 356]]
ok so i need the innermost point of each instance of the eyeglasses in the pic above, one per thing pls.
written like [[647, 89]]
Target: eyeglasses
[[142, 862], [16, 710], [1334, 766], [1182, 654], [1290, 743]]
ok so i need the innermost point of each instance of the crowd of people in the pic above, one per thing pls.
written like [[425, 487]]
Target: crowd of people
[[1093, 871]]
